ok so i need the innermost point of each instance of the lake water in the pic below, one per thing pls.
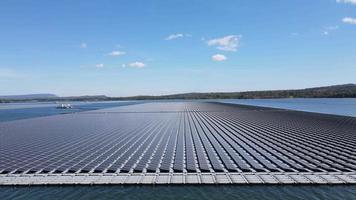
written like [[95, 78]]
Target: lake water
[[221, 192], [346, 106], [28, 110], [15, 111]]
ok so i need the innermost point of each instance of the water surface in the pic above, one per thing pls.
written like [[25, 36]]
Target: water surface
[[336, 106], [223, 192], [15, 111]]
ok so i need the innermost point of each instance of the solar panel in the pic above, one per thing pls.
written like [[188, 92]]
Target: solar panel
[[179, 137], [179, 153], [189, 149], [201, 154], [157, 157], [208, 147], [168, 154]]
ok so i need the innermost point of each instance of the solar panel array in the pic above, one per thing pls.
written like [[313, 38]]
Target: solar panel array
[[180, 137]]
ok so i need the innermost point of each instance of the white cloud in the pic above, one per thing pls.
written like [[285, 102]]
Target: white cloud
[[346, 1], [349, 20], [99, 65], [227, 43], [218, 57], [326, 33], [137, 64], [116, 53], [83, 45], [176, 36]]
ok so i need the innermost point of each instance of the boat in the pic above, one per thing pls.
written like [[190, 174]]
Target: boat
[[64, 106]]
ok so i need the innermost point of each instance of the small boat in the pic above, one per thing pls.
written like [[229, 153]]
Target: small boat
[[64, 106]]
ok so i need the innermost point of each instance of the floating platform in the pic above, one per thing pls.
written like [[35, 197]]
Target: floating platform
[[179, 143]]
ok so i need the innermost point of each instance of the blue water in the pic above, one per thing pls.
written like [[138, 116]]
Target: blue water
[[15, 111], [224, 192], [346, 106]]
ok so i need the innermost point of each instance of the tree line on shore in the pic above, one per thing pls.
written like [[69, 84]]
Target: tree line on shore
[[335, 91]]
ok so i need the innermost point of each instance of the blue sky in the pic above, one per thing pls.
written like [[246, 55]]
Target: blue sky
[[122, 48]]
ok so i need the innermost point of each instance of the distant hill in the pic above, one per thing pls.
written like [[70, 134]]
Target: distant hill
[[335, 91], [85, 98], [29, 96], [50, 97]]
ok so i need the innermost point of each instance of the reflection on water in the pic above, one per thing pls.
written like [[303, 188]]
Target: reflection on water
[[222, 192]]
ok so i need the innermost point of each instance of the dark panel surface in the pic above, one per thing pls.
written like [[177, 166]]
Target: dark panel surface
[[179, 137]]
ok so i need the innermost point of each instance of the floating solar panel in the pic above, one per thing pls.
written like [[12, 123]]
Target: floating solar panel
[[178, 142]]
